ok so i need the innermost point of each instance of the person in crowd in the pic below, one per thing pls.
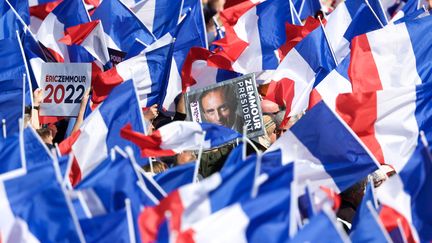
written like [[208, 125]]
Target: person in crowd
[[47, 135], [219, 107], [351, 199], [158, 167]]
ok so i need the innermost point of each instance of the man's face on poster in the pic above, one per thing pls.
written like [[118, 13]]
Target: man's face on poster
[[216, 108]]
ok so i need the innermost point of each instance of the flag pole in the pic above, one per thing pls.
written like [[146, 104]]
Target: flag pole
[[131, 226], [4, 128], [244, 148], [255, 185], [373, 12], [295, 13], [198, 162], [328, 42]]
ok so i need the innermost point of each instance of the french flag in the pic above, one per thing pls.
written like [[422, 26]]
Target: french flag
[[101, 129], [322, 228], [43, 214], [325, 151], [66, 14], [367, 226], [394, 56], [302, 68], [254, 31], [339, 21], [121, 25], [406, 195], [39, 10], [90, 36], [148, 70], [253, 219], [175, 177], [195, 203], [189, 33], [159, 16], [179, 136], [335, 83], [388, 121], [196, 72]]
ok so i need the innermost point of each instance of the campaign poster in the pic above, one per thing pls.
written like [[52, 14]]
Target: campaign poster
[[63, 85], [234, 103]]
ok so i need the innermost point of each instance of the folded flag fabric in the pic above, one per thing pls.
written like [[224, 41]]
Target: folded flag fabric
[[42, 214], [101, 130], [179, 136], [389, 121], [175, 177], [392, 57], [312, 143]]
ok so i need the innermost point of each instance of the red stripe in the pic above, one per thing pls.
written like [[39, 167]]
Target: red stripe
[[104, 83], [314, 98], [149, 145], [333, 196], [195, 53], [362, 70], [42, 10], [282, 93], [390, 217], [186, 236], [359, 111], [75, 173], [57, 56], [78, 33], [151, 218], [296, 33], [65, 146]]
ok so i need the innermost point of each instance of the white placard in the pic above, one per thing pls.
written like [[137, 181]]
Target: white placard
[[64, 85]]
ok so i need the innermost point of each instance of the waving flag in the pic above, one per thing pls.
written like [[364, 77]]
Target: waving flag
[[101, 130], [388, 121], [311, 143], [159, 16], [394, 56], [194, 202], [197, 73], [366, 225], [302, 68], [113, 181], [39, 10], [66, 14], [335, 83], [254, 33], [109, 227], [121, 26], [9, 20], [90, 36], [253, 220], [41, 214], [340, 20], [322, 228], [11, 83], [179, 136], [175, 177], [307, 8], [148, 71]]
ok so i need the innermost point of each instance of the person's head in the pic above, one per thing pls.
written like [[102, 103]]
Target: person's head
[[158, 167], [218, 106], [185, 157], [46, 134]]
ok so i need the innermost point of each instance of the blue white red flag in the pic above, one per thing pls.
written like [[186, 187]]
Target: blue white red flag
[[312, 144], [66, 14], [121, 25], [179, 136], [101, 130]]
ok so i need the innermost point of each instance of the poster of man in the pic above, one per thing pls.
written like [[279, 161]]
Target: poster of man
[[233, 103]]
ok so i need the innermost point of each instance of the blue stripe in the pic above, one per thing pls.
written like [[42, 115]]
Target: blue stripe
[[166, 16], [421, 44], [316, 52], [121, 25], [364, 21], [353, 6], [342, 68], [223, 75], [327, 139], [272, 16]]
